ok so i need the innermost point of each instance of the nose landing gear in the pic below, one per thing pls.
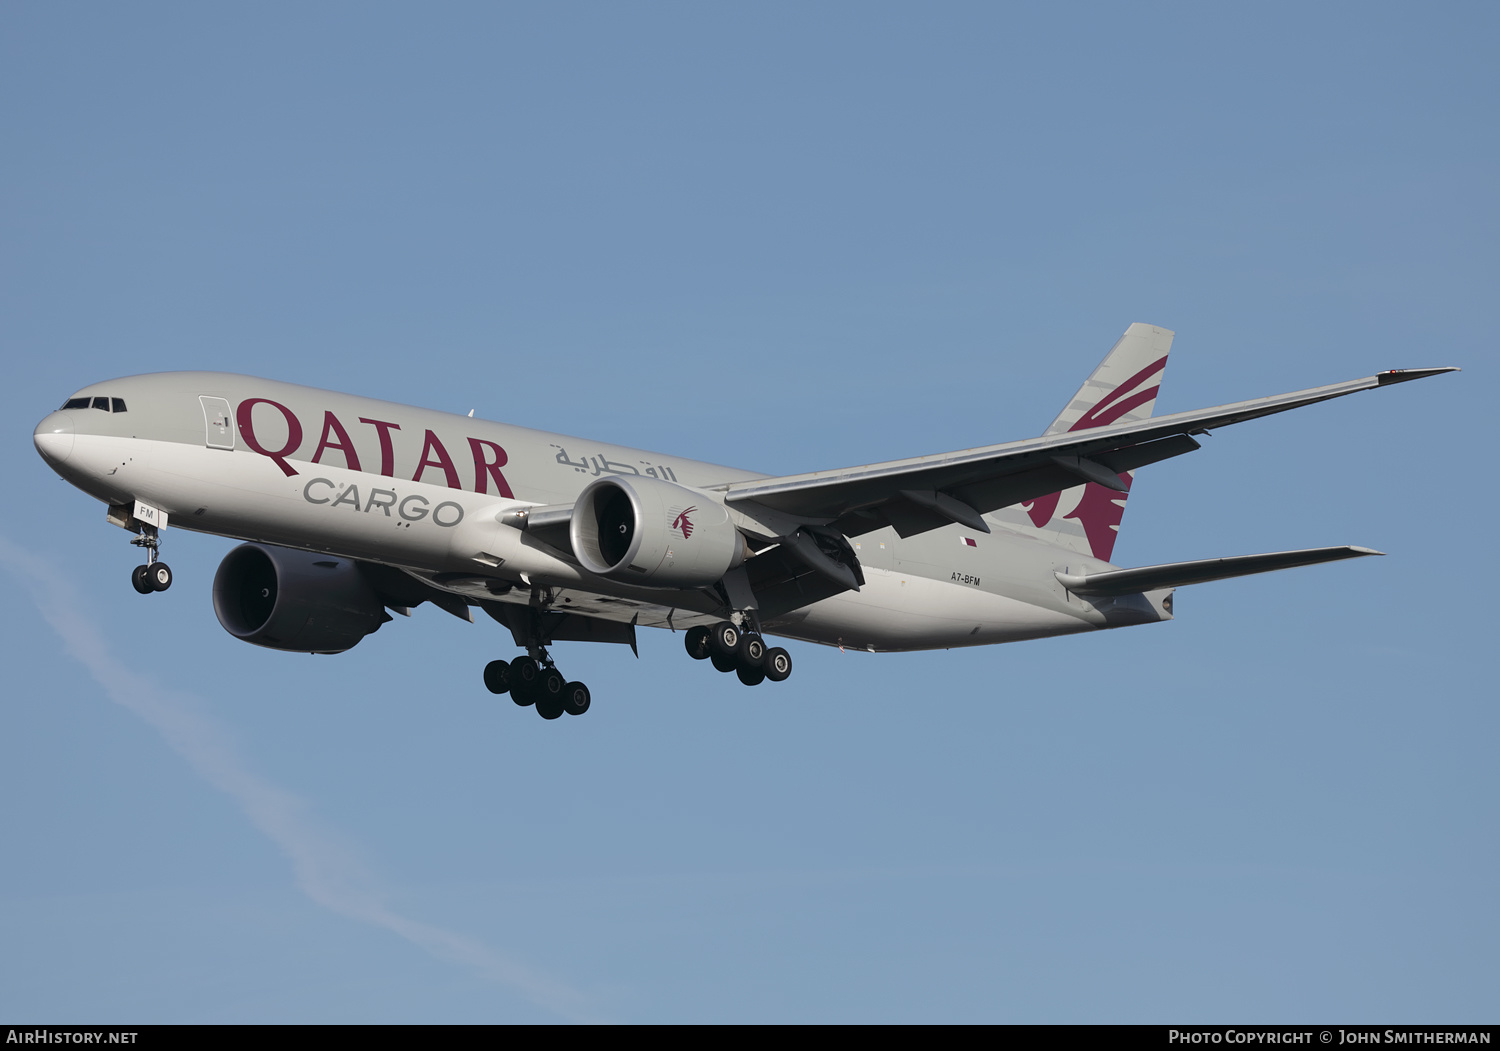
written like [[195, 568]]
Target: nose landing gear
[[154, 575]]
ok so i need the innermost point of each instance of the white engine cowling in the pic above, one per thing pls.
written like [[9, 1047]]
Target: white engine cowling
[[654, 534], [295, 600]]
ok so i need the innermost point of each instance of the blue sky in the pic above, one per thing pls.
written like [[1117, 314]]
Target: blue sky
[[786, 237]]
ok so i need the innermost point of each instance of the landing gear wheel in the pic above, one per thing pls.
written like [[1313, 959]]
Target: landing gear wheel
[[696, 642], [550, 685], [752, 652], [497, 676], [524, 673], [724, 639], [724, 664], [750, 676], [778, 664], [548, 693], [575, 698], [154, 575]]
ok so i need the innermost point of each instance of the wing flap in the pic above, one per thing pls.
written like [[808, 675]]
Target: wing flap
[[560, 626], [1043, 476]]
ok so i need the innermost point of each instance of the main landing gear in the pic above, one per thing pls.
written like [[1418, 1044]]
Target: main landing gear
[[154, 575], [536, 681], [731, 649]]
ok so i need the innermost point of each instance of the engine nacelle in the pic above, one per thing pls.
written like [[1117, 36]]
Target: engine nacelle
[[654, 534], [295, 600]]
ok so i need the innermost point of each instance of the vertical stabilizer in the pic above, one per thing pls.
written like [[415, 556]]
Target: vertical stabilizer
[[1086, 518], [1123, 387]]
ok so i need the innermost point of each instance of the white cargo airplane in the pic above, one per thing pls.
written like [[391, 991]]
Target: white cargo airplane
[[351, 507]]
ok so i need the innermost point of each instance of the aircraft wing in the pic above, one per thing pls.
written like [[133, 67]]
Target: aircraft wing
[[1178, 574], [926, 492]]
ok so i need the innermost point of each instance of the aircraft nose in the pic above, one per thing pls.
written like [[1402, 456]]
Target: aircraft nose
[[54, 438]]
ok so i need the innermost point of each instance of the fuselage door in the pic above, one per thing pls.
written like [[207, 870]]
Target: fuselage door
[[218, 425]]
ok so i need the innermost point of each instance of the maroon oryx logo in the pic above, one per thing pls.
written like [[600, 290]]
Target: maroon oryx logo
[[683, 524], [1101, 509]]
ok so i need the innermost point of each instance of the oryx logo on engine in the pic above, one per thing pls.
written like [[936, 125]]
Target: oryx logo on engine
[[682, 523]]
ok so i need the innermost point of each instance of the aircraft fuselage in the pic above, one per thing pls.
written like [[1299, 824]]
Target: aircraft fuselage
[[423, 491]]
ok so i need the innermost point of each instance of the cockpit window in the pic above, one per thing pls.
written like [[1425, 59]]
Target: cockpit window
[[107, 404]]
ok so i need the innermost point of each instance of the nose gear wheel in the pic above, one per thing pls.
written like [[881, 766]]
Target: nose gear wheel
[[154, 575]]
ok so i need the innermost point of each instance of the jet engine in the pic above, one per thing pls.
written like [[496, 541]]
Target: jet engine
[[295, 600], [653, 533]]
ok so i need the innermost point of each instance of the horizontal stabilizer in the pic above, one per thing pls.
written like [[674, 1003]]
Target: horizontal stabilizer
[[1176, 574]]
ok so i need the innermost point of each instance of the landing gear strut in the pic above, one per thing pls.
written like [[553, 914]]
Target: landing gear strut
[[533, 680], [732, 649], [154, 575]]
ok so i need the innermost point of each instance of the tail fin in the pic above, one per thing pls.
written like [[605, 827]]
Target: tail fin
[[1123, 388], [1124, 385]]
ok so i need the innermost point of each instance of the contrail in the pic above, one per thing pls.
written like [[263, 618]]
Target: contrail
[[328, 869]]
